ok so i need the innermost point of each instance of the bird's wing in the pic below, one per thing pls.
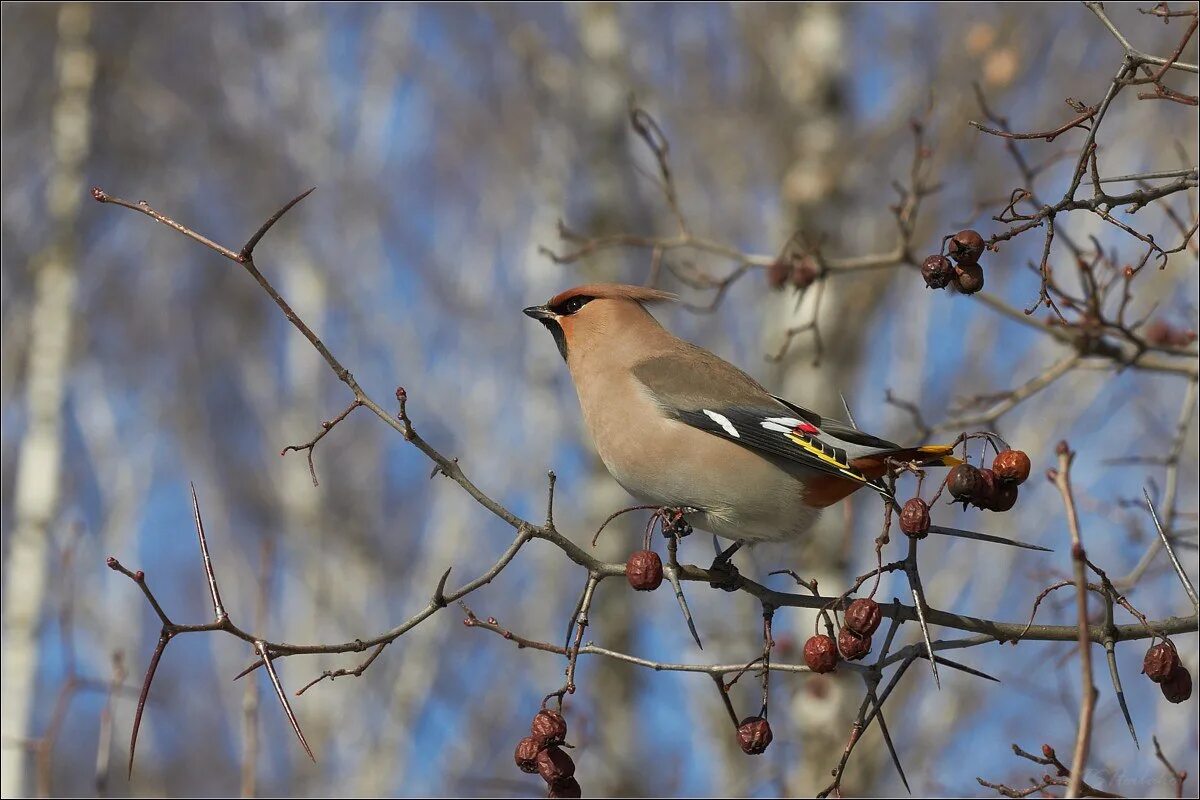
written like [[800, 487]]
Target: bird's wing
[[701, 390]]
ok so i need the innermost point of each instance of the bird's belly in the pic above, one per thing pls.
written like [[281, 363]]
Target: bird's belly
[[676, 465]]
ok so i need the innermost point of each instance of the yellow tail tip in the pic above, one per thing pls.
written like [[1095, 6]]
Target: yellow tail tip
[[939, 455]]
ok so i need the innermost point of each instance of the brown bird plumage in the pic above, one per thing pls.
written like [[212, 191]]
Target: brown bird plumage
[[679, 427]]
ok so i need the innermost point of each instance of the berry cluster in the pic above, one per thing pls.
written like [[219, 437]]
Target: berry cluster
[[1162, 666], [992, 489], [966, 274], [862, 619], [800, 271], [540, 752], [1161, 333]]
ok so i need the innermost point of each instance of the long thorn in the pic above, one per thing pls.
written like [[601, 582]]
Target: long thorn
[[964, 668], [248, 250], [986, 537], [919, 602], [218, 608], [163, 639], [1183, 577], [683, 606], [887, 738], [1110, 651], [287, 707]]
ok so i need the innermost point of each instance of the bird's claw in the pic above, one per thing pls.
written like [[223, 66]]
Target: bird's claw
[[726, 575]]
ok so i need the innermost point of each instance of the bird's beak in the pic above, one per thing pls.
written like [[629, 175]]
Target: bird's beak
[[540, 313]]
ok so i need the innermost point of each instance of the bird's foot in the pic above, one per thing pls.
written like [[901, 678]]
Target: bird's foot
[[672, 520], [725, 574]]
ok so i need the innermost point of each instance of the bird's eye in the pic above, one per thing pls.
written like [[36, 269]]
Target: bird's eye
[[574, 304]]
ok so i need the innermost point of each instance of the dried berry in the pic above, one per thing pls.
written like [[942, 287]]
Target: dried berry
[[1004, 497], [526, 755], [863, 616], [964, 483], [1160, 662], [937, 272], [804, 273], [644, 570], [554, 765], [968, 278], [820, 653], [548, 727], [853, 645], [778, 273], [754, 734], [1161, 333], [987, 489], [565, 788], [914, 518], [966, 247], [1011, 466], [1178, 687]]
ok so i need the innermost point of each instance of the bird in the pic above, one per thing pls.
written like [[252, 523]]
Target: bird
[[681, 428]]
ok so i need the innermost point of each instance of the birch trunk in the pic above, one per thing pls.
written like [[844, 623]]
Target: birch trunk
[[36, 496]]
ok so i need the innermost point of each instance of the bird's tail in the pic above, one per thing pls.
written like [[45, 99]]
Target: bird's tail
[[874, 465]]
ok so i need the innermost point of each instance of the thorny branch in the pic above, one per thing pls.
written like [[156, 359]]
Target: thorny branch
[[1094, 336]]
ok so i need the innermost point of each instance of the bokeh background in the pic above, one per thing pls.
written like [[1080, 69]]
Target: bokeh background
[[446, 142]]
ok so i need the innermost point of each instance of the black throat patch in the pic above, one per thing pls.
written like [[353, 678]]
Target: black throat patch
[[560, 338]]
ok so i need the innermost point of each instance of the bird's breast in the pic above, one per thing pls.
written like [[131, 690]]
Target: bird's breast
[[741, 494]]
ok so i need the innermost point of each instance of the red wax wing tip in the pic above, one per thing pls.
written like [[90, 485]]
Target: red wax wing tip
[[808, 428]]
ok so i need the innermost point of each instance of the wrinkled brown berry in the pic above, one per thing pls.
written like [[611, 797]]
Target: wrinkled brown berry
[[1178, 687], [566, 788], [937, 272], [1160, 662], [548, 727], [778, 273], [987, 482], [754, 734], [804, 273], [853, 645], [1003, 498], [914, 518], [964, 483], [820, 653], [526, 755], [1161, 333], [968, 278], [1011, 466], [966, 247], [554, 765], [863, 616], [644, 570]]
